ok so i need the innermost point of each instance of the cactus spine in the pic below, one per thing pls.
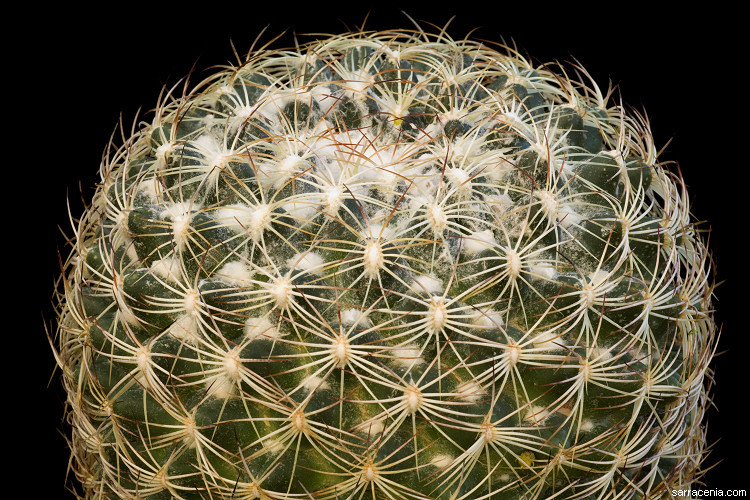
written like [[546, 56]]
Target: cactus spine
[[387, 266]]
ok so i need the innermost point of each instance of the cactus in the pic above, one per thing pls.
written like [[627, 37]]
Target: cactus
[[387, 265]]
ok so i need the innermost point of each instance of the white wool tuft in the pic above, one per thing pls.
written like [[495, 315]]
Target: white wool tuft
[[355, 317], [407, 356], [168, 268], [260, 327], [427, 283], [237, 273], [478, 241], [307, 261]]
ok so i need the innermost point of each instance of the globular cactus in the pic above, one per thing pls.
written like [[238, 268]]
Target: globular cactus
[[387, 265]]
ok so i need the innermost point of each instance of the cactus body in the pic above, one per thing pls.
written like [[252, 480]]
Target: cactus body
[[387, 266]]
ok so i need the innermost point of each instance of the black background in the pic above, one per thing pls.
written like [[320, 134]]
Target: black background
[[71, 75]]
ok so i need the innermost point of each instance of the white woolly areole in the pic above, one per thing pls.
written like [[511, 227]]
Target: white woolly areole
[[470, 391], [298, 422], [407, 356], [317, 92], [369, 473], [163, 150], [378, 231], [264, 108], [168, 268], [598, 277], [151, 188], [373, 259], [478, 241], [315, 383], [548, 340], [341, 351], [488, 433], [514, 120], [143, 359], [237, 274], [356, 83], [437, 314], [307, 261], [180, 229], [280, 291], [488, 319], [334, 197], [588, 295], [548, 203], [587, 425], [260, 327], [601, 353], [246, 219], [453, 113], [412, 398], [302, 209], [460, 179], [500, 204], [441, 461], [221, 387], [492, 170], [180, 214], [355, 317], [425, 186], [216, 154], [275, 101], [232, 365], [513, 352], [191, 301], [536, 414], [427, 283], [273, 446], [567, 216], [513, 260], [436, 218], [189, 431], [185, 329], [285, 169], [371, 427], [241, 113], [386, 161], [542, 270]]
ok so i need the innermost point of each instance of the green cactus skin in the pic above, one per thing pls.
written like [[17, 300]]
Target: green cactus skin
[[387, 266]]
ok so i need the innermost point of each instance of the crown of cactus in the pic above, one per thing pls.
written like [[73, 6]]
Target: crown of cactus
[[392, 266]]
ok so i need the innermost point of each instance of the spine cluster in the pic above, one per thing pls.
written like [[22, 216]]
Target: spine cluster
[[387, 266]]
